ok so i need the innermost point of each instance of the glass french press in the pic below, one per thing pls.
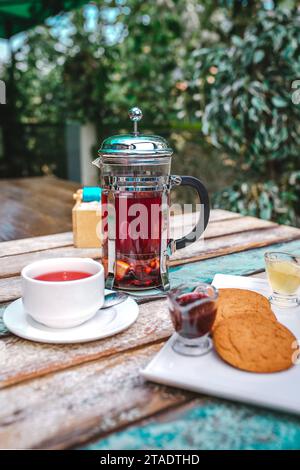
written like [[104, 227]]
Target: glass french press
[[136, 184]]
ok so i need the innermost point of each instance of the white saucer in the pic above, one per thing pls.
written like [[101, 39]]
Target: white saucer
[[106, 322]]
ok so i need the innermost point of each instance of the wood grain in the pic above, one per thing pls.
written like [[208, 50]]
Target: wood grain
[[12, 265], [21, 359], [85, 401], [218, 228], [221, 245], [57, 396], [35, 206], [250, 234], [24, 359], [32, 244], [10, 288], [215, 424], [67, 408], [29, 245]]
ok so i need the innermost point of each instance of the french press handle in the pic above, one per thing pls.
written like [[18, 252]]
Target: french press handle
[[204, 214]]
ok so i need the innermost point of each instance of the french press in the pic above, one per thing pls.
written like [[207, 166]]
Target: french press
[[136, 183]]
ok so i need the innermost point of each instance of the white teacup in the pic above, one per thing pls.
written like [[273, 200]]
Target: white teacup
[[63, 304]]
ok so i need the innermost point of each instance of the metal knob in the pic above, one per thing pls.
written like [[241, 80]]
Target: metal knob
[[135, 115]]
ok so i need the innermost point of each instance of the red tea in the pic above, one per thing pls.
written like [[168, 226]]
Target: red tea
[[61, 276], [197, 320], [138, 239]]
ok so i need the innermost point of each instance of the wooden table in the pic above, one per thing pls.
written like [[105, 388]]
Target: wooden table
[[92, 395], [35, 206]]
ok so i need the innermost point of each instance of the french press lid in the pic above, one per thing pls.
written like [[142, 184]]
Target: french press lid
[[135, 144]]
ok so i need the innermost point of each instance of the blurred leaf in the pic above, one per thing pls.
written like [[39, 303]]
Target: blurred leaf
[[258, 56], [279, 102]]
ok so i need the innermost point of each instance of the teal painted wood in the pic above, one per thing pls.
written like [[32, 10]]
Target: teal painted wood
[[3, 329], [243, 263], [213, 425]]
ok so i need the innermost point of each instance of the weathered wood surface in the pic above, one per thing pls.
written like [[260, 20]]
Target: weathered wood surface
[[35, 206], [10, 288], [202, 249], [245, 233], [14, 255], [79, 392], [22, 359], [69, 407], [29, 245], [66, 435], [221, 245], [218, 228], [208, 424], [12, 265]]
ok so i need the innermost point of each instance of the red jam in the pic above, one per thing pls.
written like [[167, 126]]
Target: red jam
[[195, 321], [61, 276]]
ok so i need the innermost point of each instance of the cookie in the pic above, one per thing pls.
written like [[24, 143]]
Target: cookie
[[233, 302], [254, 343]]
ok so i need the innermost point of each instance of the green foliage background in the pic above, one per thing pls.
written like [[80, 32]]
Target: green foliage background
[[215, 77]]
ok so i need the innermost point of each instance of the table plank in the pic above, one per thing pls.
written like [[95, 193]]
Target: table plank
[[21, 359], [215, 424], [79, 403], [240, 263], [10, 288], [57, 240], [252, 261], [204, 248], [16, 423], [25, 359], [218, 228], [35, 206], [62, 386], [31, 244], [12, 265]]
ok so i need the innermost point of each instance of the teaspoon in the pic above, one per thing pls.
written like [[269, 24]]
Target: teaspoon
[[114, 298]]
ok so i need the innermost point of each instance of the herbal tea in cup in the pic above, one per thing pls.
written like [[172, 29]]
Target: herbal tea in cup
[[62, 292]]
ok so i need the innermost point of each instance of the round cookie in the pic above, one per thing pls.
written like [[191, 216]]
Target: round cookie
[[233, 302], [254, 343]]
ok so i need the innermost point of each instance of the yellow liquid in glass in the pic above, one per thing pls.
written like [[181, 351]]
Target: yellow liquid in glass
[[284, 276]]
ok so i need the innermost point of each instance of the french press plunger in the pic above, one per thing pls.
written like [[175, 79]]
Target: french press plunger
[[136, 184]]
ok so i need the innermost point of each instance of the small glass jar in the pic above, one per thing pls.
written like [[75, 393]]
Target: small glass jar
[[193, 310], [283, 271]]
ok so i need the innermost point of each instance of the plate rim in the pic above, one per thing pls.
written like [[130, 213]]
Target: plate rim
[[134, 313]]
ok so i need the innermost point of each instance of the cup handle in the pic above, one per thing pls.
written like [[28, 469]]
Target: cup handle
[[203, 217]]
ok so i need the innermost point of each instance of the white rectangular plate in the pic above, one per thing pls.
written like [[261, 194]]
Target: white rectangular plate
[[208, 374]]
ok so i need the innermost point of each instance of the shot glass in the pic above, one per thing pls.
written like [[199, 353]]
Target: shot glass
[[283, 270], [193, 311]]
